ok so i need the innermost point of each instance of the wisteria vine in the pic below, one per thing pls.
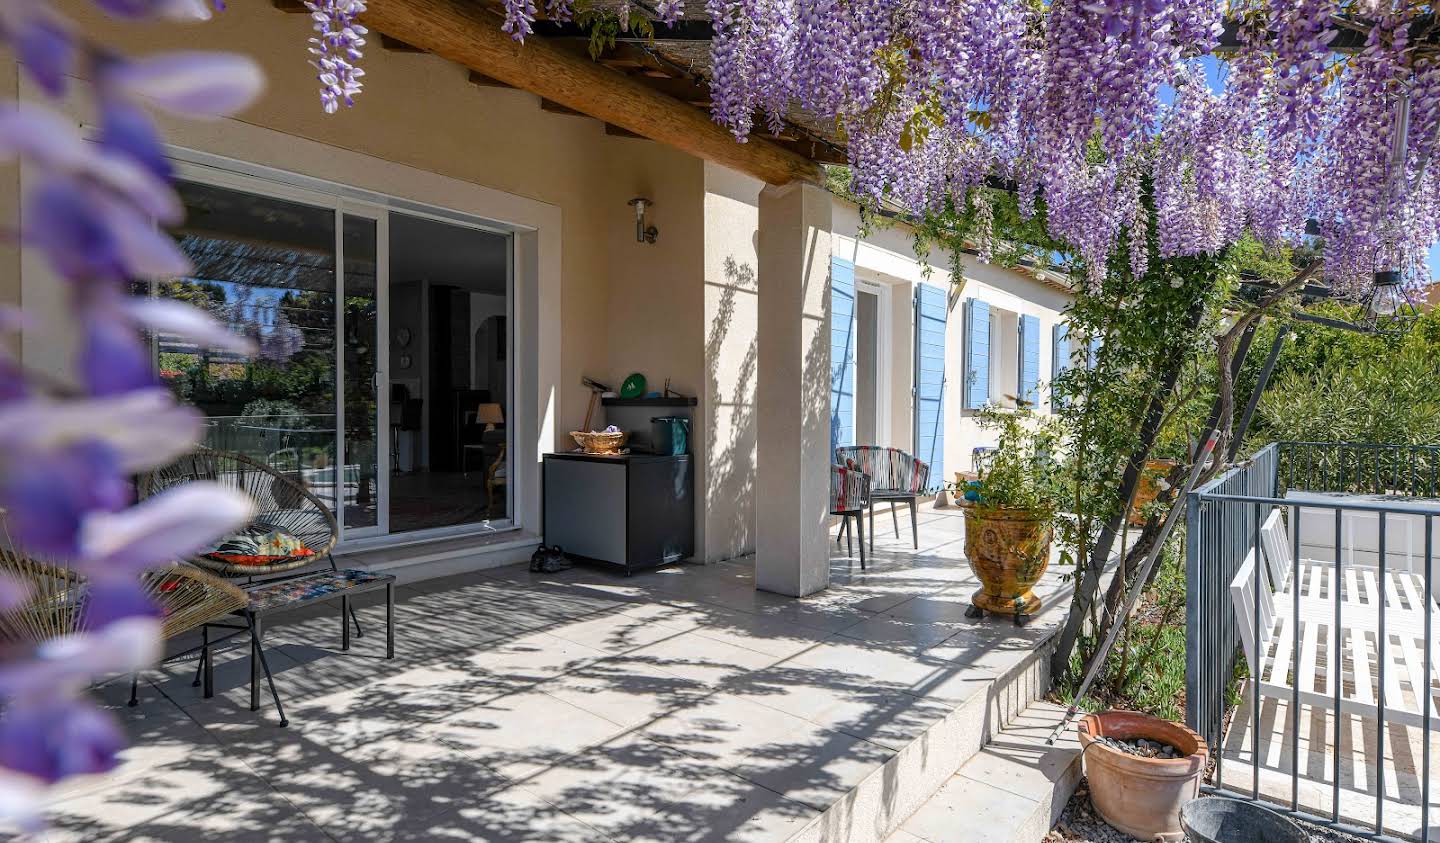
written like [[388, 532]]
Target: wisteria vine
[[1087, 103], [68, 450]]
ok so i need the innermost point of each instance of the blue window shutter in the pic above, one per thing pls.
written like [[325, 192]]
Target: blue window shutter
[[842, 353], [977, 354], [1030, 359], [1062, 359], [931, 306], [1093, 353]]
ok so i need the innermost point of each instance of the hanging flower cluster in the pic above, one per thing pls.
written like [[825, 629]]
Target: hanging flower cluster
[[67, 454], [336, 49], [1086, 102]]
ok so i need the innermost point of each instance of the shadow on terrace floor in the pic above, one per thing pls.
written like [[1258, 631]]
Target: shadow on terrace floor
[[675, 705]]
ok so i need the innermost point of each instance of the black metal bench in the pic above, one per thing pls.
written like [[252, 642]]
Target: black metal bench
[[271, 598]]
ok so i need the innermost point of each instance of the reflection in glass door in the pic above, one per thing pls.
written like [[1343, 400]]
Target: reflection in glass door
[[360, 354], [266, 267]]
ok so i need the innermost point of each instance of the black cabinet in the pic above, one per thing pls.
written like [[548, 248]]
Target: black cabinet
[[631, 510]]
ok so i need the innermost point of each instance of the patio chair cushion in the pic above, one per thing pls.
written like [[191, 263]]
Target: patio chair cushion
[[259, 544]]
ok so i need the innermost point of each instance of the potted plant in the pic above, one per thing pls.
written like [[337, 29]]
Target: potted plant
[[1010, 512], [1154, 479], [1141, 771]]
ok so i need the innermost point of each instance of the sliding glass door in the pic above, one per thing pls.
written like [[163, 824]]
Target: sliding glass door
[[363, 402]]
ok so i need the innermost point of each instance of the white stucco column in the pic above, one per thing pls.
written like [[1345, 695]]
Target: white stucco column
[[792, 479]]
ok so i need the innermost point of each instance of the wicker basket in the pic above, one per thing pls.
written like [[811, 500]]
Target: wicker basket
[[600, 443]]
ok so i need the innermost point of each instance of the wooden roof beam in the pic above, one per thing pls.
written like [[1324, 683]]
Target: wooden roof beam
[[395, 45], [620, 132], [556, 108], [480, 79], [468, 35]]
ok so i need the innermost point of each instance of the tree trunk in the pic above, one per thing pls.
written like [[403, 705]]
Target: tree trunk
[[1089, 586]]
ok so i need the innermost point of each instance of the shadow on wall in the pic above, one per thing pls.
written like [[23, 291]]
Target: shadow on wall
[[731, 470]]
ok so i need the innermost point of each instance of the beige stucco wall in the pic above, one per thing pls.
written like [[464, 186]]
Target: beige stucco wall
[[729, 419], [655, 291]]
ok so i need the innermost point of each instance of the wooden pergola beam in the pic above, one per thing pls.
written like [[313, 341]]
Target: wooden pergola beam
[[469, 35]]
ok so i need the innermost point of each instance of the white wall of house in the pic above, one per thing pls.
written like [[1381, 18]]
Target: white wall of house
[[1010, 295], [886, 257]]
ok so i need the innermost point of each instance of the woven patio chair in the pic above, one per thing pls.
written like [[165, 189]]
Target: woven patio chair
[[282, 501], [187, 597], [894, 476], [281, 498], [849, 497]]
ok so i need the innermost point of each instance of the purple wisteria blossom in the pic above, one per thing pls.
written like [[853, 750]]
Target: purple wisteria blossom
[[67, 457], [336, 49], [1083, 101]]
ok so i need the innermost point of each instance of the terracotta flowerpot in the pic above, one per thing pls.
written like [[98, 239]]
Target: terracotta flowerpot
[[1009, 550], [1137, 795], [1148, 489]]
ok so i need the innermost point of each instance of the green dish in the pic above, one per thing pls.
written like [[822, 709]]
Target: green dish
[[633, 387]]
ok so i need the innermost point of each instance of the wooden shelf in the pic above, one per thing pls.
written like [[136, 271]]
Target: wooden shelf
[[649, 402]]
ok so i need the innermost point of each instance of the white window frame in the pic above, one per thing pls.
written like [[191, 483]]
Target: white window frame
[[884, 353]]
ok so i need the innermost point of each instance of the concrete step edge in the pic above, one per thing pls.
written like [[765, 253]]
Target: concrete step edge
[[1043, 793], [880, 803]]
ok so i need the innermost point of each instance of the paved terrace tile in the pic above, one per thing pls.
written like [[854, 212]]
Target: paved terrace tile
[[677, 705]]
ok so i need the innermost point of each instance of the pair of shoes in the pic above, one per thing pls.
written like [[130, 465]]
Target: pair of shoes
[[549, 560]]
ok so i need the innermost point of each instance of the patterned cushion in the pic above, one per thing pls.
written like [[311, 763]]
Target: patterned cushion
[[259, 544]]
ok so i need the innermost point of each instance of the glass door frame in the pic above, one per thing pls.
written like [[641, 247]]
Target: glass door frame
[[380, 380], [279, 184]]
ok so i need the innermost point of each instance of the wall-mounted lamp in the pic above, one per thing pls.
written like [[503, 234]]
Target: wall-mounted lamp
[[643, 233]]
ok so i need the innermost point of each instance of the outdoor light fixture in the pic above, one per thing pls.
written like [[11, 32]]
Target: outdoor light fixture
[[1389, 309], [643, 233]]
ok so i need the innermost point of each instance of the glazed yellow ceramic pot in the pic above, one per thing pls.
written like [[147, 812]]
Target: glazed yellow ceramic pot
[[1009, 550], [1149, 488]]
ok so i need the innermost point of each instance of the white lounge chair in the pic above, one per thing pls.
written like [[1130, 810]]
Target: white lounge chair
[[1315, 673]]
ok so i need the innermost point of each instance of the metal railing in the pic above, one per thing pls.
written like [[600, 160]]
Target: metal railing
[[1361, 546]]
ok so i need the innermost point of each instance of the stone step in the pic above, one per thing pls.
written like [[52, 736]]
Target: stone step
[[875, 808], [1012, 791]]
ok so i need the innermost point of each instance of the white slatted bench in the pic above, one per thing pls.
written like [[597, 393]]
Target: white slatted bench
[[1357, 669]]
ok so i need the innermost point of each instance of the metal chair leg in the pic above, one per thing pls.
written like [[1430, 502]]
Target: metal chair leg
[[872, 526], [389, 620], [257, 657], [914, 525], [358, 632], [209, 659], [860, 529], [254, 662], [895, 519], [134, 690], [204, 650], [345, 622], [844, 522]]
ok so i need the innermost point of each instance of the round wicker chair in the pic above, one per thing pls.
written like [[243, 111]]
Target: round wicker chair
[[281, 497], [187, 597]]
